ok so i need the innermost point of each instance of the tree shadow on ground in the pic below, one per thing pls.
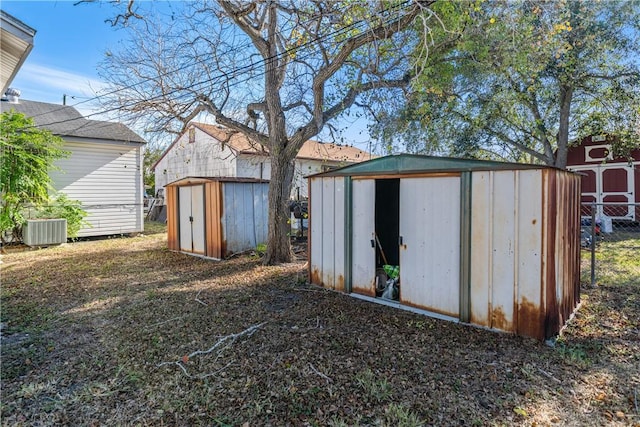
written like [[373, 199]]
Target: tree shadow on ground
[[117, 313]]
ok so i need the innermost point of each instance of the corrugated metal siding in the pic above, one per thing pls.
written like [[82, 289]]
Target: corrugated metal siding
[[363, 227], [506, 250], [107, 179], [173, 225], [562, 271], [524, 253], [430, 253], [315, 231], [244, 215], [528, 305], [327, 225], [213, 215], [184, 212]]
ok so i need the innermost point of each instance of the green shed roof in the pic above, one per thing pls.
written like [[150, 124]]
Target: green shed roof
[[412, 163]]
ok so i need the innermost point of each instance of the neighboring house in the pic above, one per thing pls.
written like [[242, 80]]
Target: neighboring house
[[16, 41], [104, 170], [205, 150], [612, 183]]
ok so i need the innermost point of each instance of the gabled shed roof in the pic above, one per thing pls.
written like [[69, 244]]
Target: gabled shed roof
[[413, 163]]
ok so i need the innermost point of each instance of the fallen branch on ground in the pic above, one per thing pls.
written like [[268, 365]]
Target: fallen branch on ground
[[197, 299], [548, 375], [313, 368], [220, 346]]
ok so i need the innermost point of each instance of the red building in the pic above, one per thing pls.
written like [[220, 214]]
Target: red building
[[612, 183]]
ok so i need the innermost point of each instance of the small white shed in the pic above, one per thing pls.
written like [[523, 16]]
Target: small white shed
[[216, 217], [489, 243]]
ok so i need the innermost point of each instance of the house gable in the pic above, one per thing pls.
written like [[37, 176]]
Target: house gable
[[195, 153], [215, 151]]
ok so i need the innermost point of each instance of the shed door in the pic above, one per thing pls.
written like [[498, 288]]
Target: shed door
[[363, 226], [430, 249], [611, 186], [191, 208], [184, 207], [617, 191], [197, 213]]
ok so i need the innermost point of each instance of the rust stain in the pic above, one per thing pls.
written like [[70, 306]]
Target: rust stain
[[340, 283], [223, 248], [369, 291], [315, 277], [530, 320], [329, 282], [426, 308], [499, 320]]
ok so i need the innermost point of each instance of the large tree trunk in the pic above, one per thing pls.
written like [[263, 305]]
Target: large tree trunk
[[562, 149], [278, 242]]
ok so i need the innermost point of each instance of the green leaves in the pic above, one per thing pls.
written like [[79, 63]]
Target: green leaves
[[525, 78], [28, 153]]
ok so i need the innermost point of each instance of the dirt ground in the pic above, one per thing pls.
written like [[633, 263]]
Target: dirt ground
[[124, 332]]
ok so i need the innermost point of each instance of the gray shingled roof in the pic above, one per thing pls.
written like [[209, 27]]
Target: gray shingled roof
[[64, 120]]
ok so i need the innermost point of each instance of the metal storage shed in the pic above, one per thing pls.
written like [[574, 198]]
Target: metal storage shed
[[216, 217], [488, 243]]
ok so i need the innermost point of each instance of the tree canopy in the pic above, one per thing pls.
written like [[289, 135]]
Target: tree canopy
[[276, 71], [524, 80]]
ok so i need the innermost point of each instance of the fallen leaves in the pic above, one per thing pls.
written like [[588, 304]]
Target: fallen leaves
[[322, 358]]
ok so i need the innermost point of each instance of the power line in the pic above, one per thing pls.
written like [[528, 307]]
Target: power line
[[225, 76], [147, 79]]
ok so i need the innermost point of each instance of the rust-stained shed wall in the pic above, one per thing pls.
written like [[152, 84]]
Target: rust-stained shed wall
[[506, 235], [327, 231], [235, 215], [524, 250]]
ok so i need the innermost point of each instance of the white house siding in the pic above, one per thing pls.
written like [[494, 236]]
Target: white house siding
[[259, 167], [107, 179], [253, 166], [205, 157], [304, 168]]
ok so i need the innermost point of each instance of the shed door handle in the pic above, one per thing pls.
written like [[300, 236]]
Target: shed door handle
[[400, 240], [190, 219], [373, 243]]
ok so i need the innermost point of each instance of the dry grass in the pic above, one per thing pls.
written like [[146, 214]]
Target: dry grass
[[86, 325]]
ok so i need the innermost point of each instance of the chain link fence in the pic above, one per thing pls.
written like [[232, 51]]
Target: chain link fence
[[605, 229]]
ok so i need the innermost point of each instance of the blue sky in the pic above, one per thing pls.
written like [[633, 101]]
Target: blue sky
[[70, 43]]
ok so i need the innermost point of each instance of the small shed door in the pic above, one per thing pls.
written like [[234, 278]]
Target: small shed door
[[430, 243], [184, 207], [363, 226], [191, 208], [197, 213]]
